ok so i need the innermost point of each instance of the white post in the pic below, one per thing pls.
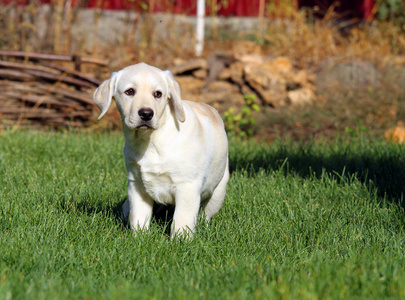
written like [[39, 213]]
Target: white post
[[199, 45]]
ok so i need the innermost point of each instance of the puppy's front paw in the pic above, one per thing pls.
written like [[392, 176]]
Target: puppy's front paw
[[181, 233]]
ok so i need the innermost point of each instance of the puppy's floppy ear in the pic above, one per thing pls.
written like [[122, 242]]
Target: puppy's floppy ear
[[103, 95], [175, 97]]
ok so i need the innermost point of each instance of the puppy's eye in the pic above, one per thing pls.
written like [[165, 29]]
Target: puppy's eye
[[130, 92], [157, 94]]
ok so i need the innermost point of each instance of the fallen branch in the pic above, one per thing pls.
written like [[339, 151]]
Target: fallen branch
[[25, 66], [42, 113], [61, 78], [54, 57], [14, 74], [39, 99], [73, 72]]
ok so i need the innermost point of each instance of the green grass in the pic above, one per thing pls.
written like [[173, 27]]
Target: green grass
[[300, 221]]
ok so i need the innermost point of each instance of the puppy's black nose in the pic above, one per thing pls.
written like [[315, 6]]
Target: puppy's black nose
[[146, 114]]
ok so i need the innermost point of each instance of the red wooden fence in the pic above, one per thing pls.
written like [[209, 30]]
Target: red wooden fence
[[347, 8]]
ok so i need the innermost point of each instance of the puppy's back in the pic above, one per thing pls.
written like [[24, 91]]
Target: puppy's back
[[205, 110]]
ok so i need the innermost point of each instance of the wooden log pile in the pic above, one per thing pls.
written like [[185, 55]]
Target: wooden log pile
[[36, 89]]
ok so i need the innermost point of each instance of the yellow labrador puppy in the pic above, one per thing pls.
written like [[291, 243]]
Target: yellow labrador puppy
[[176, 151]]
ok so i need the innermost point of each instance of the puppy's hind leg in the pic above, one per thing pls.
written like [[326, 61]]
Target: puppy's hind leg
[[212, 205]]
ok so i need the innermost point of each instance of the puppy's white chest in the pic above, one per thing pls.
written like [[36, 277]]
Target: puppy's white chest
[[155, 171], [158, 185]]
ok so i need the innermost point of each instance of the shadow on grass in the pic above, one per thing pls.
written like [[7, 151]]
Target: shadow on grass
[[379, 165], [162, 214], [376, 164]]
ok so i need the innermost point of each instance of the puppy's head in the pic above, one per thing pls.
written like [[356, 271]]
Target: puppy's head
[[142, 93]]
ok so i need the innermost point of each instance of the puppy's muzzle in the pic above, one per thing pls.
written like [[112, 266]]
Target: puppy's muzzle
[[145, 120], [146, 114]]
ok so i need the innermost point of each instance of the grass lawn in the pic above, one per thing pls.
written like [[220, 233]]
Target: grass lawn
[[300, 221]]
